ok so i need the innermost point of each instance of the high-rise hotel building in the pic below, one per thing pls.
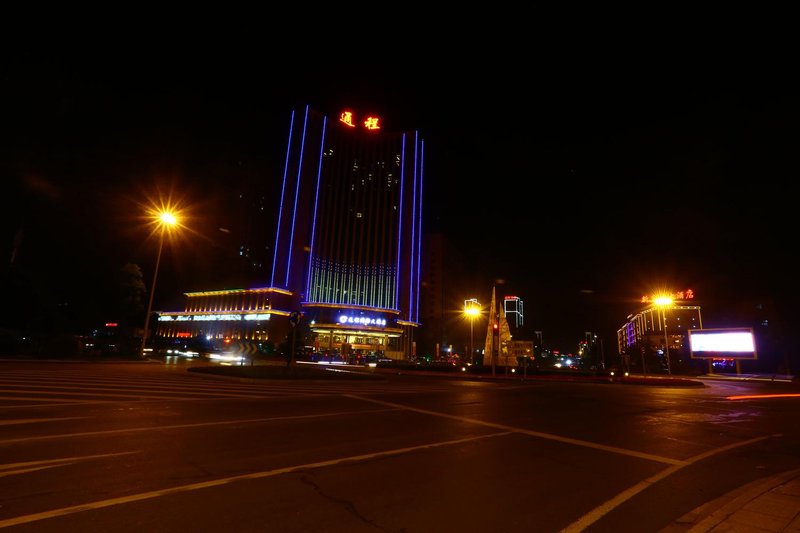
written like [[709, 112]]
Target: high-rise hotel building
[[347, 245]]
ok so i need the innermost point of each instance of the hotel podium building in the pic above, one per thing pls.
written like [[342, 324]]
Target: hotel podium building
[[347, 245], [645, 339]]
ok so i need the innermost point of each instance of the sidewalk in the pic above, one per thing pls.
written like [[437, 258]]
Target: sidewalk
[[785, 378], [767, 505]]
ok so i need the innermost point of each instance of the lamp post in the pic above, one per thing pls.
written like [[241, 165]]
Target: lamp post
[[664, 302], [165, 221], [471, 309]]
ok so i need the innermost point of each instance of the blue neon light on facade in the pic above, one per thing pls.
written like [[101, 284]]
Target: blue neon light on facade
[[413, 237], [283, 191], [419, 227], [400, 223], [296, 194], [316, 203]]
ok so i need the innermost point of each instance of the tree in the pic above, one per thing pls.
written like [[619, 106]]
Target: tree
[[130, 293]]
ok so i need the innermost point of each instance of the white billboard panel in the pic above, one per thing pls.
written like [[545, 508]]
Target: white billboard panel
[[722, 343]]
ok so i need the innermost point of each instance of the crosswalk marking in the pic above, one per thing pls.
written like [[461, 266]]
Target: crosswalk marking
[[70, 386]]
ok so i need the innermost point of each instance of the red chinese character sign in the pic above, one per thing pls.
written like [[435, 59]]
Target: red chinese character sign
[[687, 294], [371, 122], [347, 118]]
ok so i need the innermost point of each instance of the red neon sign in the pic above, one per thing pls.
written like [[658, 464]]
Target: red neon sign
[[370, 123], [688, 294], [347, 118]]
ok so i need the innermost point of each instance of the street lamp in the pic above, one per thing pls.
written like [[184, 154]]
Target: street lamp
[[664, 302], [471, 309], [164, 220]]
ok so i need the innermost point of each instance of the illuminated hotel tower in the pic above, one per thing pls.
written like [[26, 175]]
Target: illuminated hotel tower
[[513, 308], [347, 244]]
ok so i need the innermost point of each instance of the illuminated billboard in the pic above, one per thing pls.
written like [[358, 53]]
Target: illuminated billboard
[[722, 343]]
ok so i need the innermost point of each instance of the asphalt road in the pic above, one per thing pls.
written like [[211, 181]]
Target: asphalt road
[[152, 447]]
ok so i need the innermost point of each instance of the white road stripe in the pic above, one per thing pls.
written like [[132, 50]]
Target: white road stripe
[[539, 434], [134, 393], [598, 512], [36, 420], [31, 466], [224, 481], [184, 426]]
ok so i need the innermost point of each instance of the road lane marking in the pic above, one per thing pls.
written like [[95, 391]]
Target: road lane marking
[[134, 393], [67, 403], [26, 519], [32, 469], [539, 434], [31, 466], [35, 420], [34, 399], [598, 512], [51, 461], [185, 426]]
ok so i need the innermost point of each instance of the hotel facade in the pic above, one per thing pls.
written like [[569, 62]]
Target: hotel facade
[[656, 339], [347, 245]]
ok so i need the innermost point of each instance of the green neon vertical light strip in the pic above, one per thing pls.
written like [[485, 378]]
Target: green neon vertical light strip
[[378, 287], [336, 289], [384, 286], [373, 293], [349, 269], [326, 286], [357, 277]]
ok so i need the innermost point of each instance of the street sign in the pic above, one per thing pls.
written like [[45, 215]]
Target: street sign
[[247, 349], [294, 318]]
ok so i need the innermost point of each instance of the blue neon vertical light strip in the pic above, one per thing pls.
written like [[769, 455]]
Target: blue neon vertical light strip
[[419, 226], [400, 224], [296, 194], [283, 192], [413, 236], [316, 203]]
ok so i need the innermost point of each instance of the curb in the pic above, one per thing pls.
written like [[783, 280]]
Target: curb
[[722, 510]]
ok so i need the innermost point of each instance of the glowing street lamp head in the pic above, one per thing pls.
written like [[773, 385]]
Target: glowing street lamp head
[[167, 218], [165, 215], [472, 308]]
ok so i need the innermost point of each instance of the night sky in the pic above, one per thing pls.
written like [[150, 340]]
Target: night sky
[[582, 182]]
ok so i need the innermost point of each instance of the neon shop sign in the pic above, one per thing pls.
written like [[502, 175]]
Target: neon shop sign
[[362, 320], [371, 122], [688, 294], [214, 318]]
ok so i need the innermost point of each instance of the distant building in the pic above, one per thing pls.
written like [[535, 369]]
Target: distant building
[[642, 340], [513, 308], [591, 351], [347, 246]]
